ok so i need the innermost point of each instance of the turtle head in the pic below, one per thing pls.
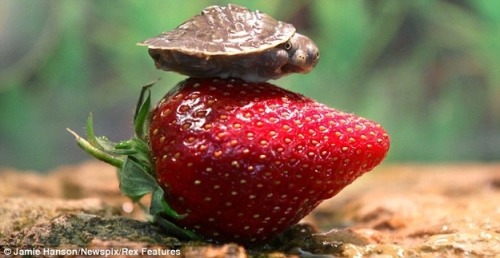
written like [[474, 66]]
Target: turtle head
[[303, 54]]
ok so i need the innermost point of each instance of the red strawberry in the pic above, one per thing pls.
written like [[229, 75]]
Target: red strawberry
[[240, 161], [244, 161]]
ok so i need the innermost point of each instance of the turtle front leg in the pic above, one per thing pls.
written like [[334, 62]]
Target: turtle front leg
[[271, 63]]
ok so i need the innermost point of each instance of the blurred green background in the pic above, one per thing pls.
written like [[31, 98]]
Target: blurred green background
[[428, 71]]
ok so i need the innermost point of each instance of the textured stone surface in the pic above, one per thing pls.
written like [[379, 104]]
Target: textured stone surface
[[396, 210]]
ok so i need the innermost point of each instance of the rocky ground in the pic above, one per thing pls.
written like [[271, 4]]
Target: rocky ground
[[393, 211]]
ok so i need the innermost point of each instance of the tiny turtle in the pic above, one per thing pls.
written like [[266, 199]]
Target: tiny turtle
[[233, 42]]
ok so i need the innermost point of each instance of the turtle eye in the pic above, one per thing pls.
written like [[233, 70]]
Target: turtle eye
[[288, 45]]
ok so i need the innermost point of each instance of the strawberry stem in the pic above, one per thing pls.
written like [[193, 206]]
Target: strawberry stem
[[136, 172], [96, 150]]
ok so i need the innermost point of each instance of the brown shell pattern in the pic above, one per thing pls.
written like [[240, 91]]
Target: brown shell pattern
[[222, 30]]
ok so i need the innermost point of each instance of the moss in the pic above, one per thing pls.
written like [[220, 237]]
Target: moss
[[81, 229]]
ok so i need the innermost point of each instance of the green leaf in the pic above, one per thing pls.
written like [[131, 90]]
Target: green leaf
[[104, 144], [135, 180], [139, 150], [160, 206], [142, 110], [91, 135], [175, 230]]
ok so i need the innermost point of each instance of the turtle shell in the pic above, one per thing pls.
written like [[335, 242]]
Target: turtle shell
[[219, 30]]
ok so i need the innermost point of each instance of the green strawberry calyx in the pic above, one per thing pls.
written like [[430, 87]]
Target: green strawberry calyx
[[135, 168]]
